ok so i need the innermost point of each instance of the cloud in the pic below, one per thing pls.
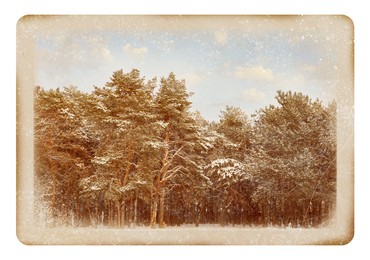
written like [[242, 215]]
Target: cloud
[[323, 70], [193, 78], [137, 52], [60, 55], [221, 37], [308, 68], [106, 54], [100, 53], [98, 49], [253, 95], [165, 45], [292, 82], [256, 73]]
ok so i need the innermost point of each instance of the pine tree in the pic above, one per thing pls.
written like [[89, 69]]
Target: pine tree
[[294, 176], [126, 125], [227, 169], [125, 156], [62, 150], [178, 138]]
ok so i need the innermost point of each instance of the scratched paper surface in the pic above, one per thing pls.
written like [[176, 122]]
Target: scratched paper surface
[[185, 130]]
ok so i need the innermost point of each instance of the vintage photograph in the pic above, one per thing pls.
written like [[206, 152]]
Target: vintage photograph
[[185, 129]]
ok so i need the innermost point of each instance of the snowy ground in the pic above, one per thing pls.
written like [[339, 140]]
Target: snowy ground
[[203, 235]]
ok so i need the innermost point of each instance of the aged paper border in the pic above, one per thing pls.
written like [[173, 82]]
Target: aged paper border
[[340, 231]]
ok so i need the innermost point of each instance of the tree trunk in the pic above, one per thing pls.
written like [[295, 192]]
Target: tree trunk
[[76, 214], [54, 191], [118, 215], [159, 182], [135, 209], [161, 208], [159, 189], [153, 218], [123, 183], [123, 213], [131, 211], [222, 216], [109, 214]]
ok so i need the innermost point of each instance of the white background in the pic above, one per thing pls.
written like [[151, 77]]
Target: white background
[[12, 10]]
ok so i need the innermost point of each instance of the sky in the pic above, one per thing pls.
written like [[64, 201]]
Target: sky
[[226, 61]]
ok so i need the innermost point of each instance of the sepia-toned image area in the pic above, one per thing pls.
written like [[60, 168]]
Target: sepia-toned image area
[[219, 130]]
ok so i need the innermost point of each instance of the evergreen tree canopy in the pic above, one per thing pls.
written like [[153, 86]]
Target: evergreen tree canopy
[[133, 153]]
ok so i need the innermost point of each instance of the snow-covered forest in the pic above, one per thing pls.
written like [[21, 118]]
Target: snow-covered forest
[[132, 153]]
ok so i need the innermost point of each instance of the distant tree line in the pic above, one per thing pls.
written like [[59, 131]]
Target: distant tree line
[[132, 153]]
